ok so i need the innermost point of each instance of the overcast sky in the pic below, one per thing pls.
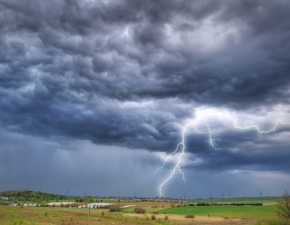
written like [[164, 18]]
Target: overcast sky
[[94, 95]]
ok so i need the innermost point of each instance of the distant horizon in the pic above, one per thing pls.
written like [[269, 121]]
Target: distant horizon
[[156, 197]]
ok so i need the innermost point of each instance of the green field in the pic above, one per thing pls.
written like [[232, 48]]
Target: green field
[[248, 212], [175, 209], [240, 199]]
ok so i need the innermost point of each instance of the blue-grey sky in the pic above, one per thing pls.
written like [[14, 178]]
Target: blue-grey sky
[[95, 94]]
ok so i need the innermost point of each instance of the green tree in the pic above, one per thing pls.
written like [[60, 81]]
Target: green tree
[[34, 200], [283, 206], [21, 199]]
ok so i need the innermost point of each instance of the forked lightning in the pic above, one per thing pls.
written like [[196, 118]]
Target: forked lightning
[[180, 148]]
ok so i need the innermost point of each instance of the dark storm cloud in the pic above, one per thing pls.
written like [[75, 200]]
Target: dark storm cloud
[[237, 149], [122, 72], [85, 38]]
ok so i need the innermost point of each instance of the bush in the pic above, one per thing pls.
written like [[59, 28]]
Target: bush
[[166, 217], [189, 216], [284, 207], [153, 217], [202, 204], [139, 210], [115, 208]]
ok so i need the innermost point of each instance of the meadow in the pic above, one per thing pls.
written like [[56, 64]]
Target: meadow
[[158, 211]]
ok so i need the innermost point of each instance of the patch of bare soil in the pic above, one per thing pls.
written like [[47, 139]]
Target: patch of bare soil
[[270, 203], [197, 220]]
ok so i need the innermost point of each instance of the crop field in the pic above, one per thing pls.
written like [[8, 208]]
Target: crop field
[[268, 199], [248, 212]]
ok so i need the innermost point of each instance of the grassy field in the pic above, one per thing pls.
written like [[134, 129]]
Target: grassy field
[[248, 212], [239, 215], [62, 216], [65, 216], [240, 200]]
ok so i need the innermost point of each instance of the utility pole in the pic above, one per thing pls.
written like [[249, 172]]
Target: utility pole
[[223, 197], [86, 200], [183, 195], [260, 194]]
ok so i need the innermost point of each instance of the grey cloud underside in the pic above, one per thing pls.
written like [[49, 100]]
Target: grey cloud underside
[[69, 67], [272, 158]]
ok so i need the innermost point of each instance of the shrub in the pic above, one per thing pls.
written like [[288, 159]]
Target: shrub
[[139, 210], [166, 217], [189, 216], [115, 208], [153, 217], [202, 204], [283, 207]]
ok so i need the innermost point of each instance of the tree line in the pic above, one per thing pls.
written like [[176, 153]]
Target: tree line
[[24, 195]]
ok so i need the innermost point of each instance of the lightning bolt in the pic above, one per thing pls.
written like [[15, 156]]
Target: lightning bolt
[[211, 141], [181, 145], [257, 127], [182, 150], [177, 166]]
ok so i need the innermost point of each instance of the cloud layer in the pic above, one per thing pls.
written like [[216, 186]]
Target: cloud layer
[[130, 74]]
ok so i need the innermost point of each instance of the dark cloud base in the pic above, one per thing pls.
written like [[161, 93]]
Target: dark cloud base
[[130, 73]]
